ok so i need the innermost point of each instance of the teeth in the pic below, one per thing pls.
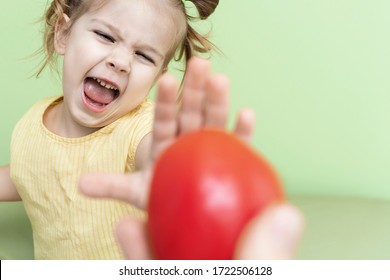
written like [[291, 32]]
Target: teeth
[[104, 84]]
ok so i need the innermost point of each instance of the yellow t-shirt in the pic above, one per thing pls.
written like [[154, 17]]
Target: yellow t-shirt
[[46, 168]]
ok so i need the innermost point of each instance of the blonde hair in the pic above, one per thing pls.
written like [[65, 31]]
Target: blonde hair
[[190, 43]]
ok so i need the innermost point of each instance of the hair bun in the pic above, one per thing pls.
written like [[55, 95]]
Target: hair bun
[[205, 7]]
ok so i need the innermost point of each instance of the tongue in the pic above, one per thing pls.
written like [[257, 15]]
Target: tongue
[[94, 91]]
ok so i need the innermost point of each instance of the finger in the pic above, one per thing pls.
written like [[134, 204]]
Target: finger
[[132, 237], [273, 235], [245, 125], [217, 102], [165, 122], [126, 187], [191, 115]]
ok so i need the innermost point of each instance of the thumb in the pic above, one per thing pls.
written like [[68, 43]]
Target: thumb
[[132, 237], [131, 188], [273, 234]]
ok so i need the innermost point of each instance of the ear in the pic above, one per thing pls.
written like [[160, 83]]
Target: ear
[[60, 34]]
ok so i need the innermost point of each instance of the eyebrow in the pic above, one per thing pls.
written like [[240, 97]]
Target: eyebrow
[[117, 31]]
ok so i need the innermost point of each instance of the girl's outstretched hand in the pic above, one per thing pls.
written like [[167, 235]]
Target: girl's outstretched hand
[[274, 234], [205, 103]]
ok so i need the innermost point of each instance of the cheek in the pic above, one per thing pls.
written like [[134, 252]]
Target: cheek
[[77, 63], [138, 89], [143, 78], [82, 53]]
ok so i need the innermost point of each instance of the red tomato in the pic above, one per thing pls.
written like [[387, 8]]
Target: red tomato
[[206, 187]]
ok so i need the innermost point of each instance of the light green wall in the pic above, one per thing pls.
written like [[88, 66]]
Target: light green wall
[[20, 38], [316, 73]]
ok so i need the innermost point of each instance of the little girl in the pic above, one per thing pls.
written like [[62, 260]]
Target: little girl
[[113, 51]]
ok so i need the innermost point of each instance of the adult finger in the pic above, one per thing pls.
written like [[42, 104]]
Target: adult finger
[[272, 235], [132, 237]]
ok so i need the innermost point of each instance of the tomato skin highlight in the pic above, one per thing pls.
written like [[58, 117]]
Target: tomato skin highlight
[[205, 189]]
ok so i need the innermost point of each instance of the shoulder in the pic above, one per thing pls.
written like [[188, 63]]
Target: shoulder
[[46, 102], [39, 107], [36, 111], [140, 118], [140, 124], [145, 109]]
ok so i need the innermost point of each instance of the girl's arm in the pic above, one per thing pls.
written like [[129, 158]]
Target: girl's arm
[[8, 190]]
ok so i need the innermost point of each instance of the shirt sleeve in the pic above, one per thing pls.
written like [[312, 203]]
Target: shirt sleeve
[[143, 125]]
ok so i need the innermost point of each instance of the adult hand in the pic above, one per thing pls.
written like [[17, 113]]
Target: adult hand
[[274, 234]]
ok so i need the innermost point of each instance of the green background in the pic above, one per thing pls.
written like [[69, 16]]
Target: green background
[[315, 72]]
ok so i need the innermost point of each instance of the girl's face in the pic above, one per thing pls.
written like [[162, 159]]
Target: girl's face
[[112, 58]]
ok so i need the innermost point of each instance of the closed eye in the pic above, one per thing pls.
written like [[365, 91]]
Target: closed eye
[[105, 36], [144, 56]]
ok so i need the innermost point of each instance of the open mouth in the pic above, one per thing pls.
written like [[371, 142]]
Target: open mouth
[[99, 93]]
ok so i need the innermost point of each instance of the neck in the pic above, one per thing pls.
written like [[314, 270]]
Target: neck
[[58, 120]]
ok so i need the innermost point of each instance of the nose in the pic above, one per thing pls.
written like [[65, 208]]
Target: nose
[[120, 60]]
